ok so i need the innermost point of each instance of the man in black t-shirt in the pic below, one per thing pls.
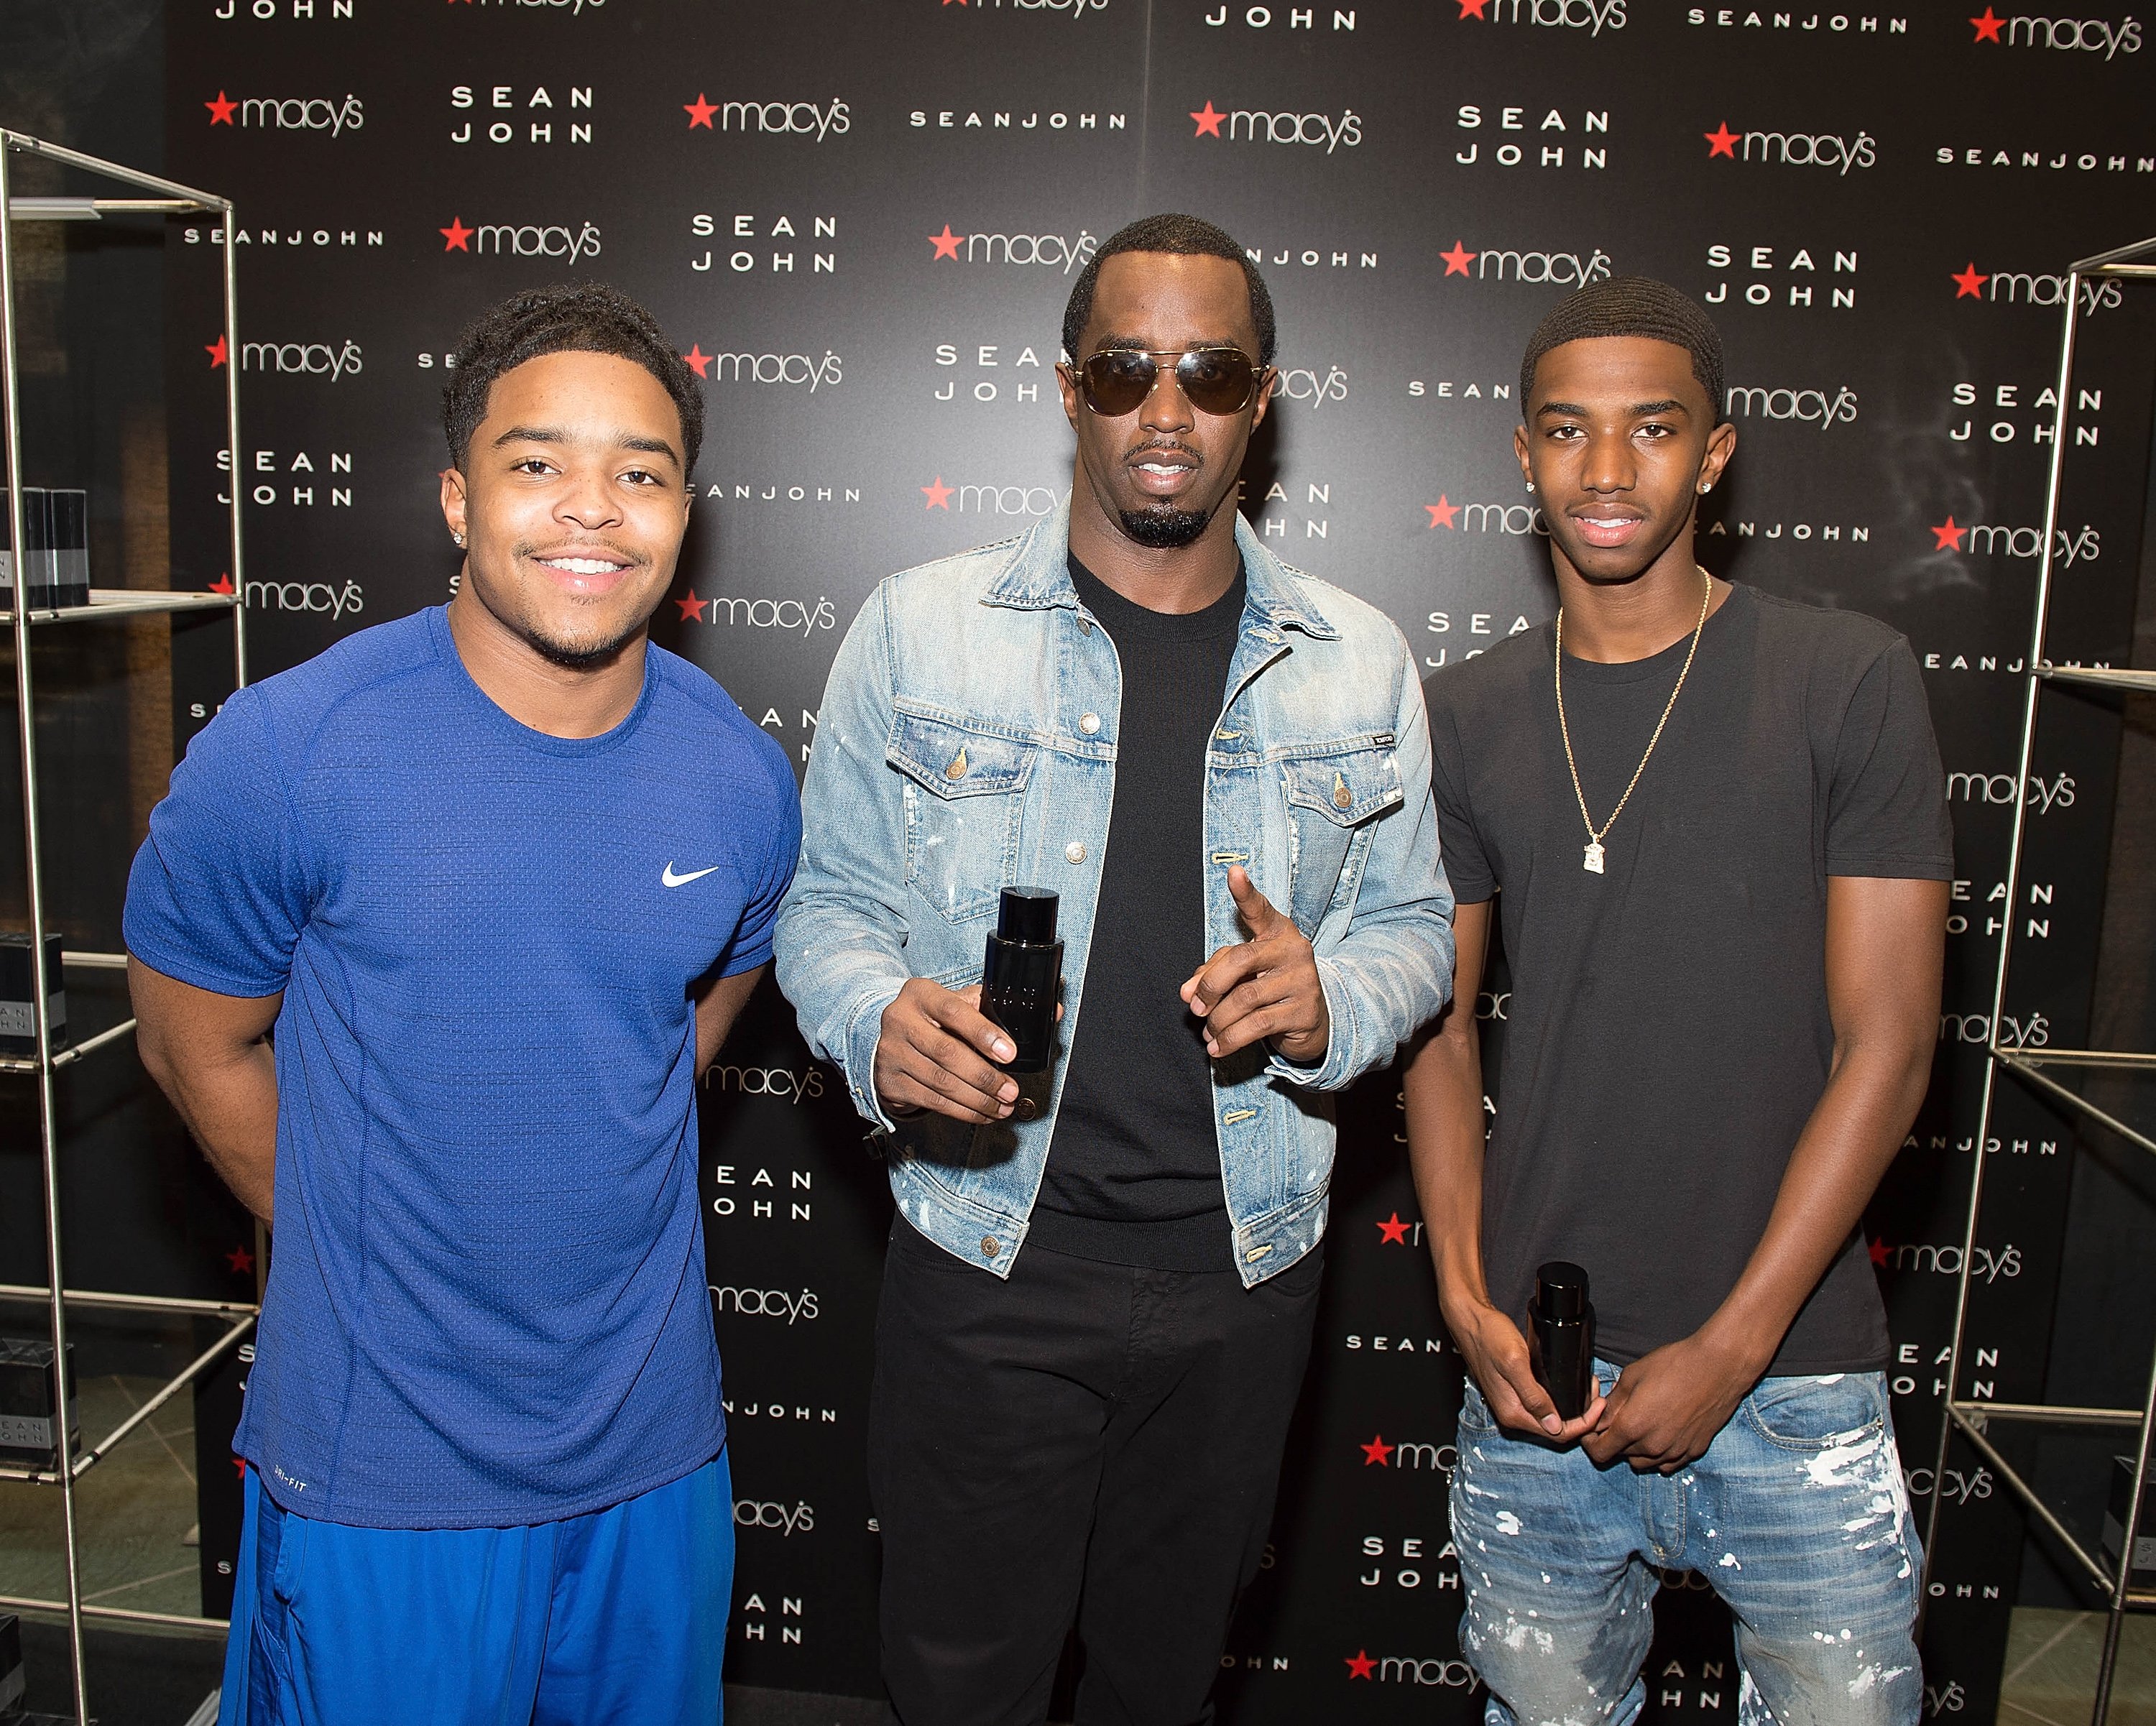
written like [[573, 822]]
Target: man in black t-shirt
[[1717, 824], [1098, 1300]]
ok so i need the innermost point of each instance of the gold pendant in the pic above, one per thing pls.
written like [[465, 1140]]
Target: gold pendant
[[1593, 864]]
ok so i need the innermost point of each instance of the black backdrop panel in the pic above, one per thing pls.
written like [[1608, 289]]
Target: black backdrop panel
[[860, 219]]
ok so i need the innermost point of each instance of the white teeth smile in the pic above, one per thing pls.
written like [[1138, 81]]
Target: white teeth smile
[[1162, 467], [581, 565]]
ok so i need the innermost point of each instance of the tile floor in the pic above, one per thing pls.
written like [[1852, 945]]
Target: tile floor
[[137, 1511], [2050, 1670]]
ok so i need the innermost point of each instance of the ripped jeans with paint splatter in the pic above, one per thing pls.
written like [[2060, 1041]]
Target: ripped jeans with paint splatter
[[1796, 1514]]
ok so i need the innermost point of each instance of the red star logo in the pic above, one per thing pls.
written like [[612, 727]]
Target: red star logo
[[938, 494], [700, 362], [1969, 284], [1721, 141], [1987, 27], [223, 584], [240, 1259], [240, 1467], [220, 110], [1457, 259], [1879, 1255], [1359, 1663], [947, 244], [700, 112], [692, 608], [1377, 1453], [1392, 1231], [1441, 512], [215, 350], [457, 236], [1469, 8], [1949, 537], [1208, 122]]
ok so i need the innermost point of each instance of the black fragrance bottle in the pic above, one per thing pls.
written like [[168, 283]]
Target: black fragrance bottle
[[1019, 980], [1560, 1337]]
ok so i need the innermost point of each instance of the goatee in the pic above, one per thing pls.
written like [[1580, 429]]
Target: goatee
[[1164, 527]]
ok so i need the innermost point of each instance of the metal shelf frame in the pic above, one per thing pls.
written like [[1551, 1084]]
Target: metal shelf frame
[[1973, 1418], [54, 1296]]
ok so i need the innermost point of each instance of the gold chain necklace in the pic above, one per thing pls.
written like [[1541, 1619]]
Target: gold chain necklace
[[1593, 862]]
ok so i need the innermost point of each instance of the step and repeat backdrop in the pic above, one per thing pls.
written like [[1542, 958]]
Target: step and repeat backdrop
[[860, 220]]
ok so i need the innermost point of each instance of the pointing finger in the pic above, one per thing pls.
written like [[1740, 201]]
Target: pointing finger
[[1256, 908]]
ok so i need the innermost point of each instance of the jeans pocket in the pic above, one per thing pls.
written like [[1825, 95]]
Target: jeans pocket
[[1814, 1412], [1475, 1412]]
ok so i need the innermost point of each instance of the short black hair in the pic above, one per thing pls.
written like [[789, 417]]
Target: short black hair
[[1632, 305], [1183, 236], [569, 317]]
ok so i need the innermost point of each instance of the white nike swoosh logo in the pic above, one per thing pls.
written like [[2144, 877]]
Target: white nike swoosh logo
[[667, 877]]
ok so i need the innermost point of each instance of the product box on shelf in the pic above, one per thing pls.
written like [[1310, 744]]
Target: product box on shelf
[[28, 1395], [55, 549], [2114, 1523], [18, 1030]]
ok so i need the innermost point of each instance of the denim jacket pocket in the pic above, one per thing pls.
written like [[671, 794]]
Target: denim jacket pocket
[[1335, 790], [1813, 1412], [965, 787]]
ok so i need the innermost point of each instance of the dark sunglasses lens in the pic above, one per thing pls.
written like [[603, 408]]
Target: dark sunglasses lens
[[1115, 383], [1217, 379]]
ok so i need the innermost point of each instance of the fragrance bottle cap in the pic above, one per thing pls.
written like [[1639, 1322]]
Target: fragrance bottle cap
[[1561, 1290], [1027, 915]]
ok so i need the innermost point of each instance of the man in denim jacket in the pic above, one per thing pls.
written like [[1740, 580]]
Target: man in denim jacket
[[1097, 1302]]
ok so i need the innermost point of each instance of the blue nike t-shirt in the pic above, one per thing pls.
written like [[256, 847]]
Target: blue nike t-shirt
[[487, 1305]]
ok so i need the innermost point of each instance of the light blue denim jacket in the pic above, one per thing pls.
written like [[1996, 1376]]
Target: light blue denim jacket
[[967, 742]]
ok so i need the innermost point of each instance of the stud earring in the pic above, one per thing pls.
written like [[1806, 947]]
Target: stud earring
[[459, 538], [1530, 485], [1703, 490]]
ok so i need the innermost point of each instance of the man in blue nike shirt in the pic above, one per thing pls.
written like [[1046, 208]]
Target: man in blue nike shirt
[[499, 876]]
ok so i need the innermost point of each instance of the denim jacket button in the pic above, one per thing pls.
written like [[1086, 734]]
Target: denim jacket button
[[1025, 1109], [1090, 723], [989, 1248], [1074, 852]]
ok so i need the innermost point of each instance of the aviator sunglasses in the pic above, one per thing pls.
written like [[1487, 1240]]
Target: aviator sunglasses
[[1212, 380]]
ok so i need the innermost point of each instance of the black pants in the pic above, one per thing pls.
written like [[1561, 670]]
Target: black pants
[[1085, 1441]]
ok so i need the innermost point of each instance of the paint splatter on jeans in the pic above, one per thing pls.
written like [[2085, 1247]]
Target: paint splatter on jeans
[[1796, 1515]]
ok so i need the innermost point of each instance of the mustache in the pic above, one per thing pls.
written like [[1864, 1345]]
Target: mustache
[[1156, 446], [628, 554]]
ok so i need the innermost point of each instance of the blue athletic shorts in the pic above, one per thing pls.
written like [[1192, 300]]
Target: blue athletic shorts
[[618, 1616]]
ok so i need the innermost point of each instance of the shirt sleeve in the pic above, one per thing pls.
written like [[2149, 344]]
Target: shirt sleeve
[[1466, 862], [1886, 808], [752, 942], [217, 895]]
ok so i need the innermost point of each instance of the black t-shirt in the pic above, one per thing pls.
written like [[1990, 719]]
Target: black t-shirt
[[1667, 1035], [1134, 1170]]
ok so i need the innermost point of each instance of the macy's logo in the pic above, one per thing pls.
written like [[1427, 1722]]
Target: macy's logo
[[1796, 150], [1404, 1453], [1981, 539], [1051, 250], [1814, 407], [532, 240], [800, 119], [1562, 270], [289, 113], [2093, 35], [1253, 126], [1399, 1669], [2022, 287], [1592, 16]]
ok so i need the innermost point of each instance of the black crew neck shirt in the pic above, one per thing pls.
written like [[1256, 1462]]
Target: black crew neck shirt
[[1133, 1173], [1667, 1035]]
